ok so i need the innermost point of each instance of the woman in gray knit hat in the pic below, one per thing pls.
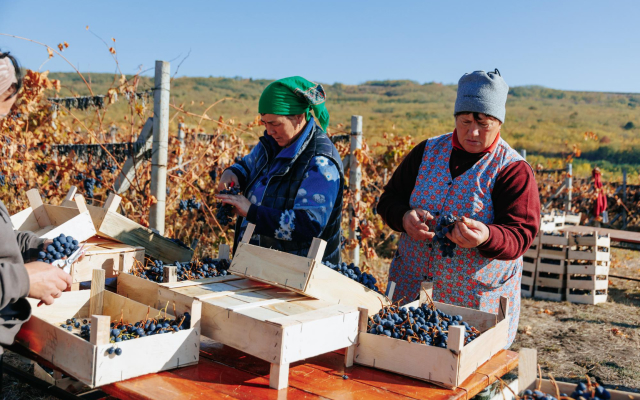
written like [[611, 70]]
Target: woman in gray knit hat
[[467, 205]]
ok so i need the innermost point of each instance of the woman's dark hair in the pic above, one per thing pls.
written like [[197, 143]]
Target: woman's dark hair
[[16, 65]]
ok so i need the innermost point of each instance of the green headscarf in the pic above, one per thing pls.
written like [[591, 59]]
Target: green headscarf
[[292, 96]]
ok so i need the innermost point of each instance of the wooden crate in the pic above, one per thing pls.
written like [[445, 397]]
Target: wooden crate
[[551, 266], [528, 379], [583, 296], [88, 361], [446, 367], [529, 267], [112, 257], [553, 251], [533, 250], [108, 223], [276, 325], [593, 247], [549, 293], [572, 219], [550, 279], [48, 221], [304, 275], [554, 238]]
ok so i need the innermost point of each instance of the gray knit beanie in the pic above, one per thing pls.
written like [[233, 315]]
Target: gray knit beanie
[[482, 92]]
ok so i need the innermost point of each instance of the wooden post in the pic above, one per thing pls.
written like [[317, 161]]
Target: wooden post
[[96, 301], [523, 152], [527, 371], [384, 179], [624, 198], [279, 376], [113, 131], [160, 147], [349, 355], [181, 140], [569, 184], [355, 178]]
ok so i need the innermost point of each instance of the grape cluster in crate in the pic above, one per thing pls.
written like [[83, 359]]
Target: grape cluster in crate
[[196, 269], [353, 272], [424, 324], [62, 246]]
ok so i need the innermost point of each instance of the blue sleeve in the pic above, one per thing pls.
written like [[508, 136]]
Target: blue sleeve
[[246, 167], [312, 206]]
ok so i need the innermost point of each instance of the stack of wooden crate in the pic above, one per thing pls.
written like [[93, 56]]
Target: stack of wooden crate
[[588, 262], [547, 248]]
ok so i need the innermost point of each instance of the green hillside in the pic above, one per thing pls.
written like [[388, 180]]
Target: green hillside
[[545, 122]]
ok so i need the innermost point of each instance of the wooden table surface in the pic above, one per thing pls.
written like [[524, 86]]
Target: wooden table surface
[[225, 373]]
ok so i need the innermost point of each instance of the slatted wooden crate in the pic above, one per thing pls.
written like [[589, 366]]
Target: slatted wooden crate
[[533, 250], [108, 223], [572, 219], [550, 279], [554, 245], [88, 361], [592, 247], [446, 367], [587, 282], [277, 325], [529, 267], [306, 276], [48, 221]]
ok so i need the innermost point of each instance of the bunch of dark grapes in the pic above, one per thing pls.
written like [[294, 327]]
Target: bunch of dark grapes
[[124, 331], [189, 205], [62, 246], [418, 325], [197, 269], [581, 392], [353, 272], [224, 213], [89, 185], [445, 225]]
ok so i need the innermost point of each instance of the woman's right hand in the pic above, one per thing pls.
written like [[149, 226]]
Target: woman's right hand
[[414, 223], [226, 179]]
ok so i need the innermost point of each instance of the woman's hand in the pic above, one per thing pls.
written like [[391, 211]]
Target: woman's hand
[[240, 203], [46, 282], [414, 223], [469, 233], [226, 179]]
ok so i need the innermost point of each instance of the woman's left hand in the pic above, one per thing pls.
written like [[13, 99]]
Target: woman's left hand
[[469, 233], [240, 203]]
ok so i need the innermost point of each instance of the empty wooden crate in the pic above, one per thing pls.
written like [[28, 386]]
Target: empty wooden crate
[[304, 275]]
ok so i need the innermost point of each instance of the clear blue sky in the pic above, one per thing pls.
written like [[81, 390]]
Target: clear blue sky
[[572, 45]]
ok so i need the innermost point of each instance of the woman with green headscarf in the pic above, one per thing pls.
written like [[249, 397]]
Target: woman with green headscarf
[[292, 180]]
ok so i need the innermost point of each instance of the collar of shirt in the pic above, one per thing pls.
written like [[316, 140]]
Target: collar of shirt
[[456, 143]]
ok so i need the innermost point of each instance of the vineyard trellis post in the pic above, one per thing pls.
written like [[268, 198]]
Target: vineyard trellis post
[[160, 148], [355, 179], [624, 198], [181, 140], [523, 152], [569, 184]]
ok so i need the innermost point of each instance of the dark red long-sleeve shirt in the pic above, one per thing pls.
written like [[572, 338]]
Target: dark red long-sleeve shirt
[[516, 202]]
